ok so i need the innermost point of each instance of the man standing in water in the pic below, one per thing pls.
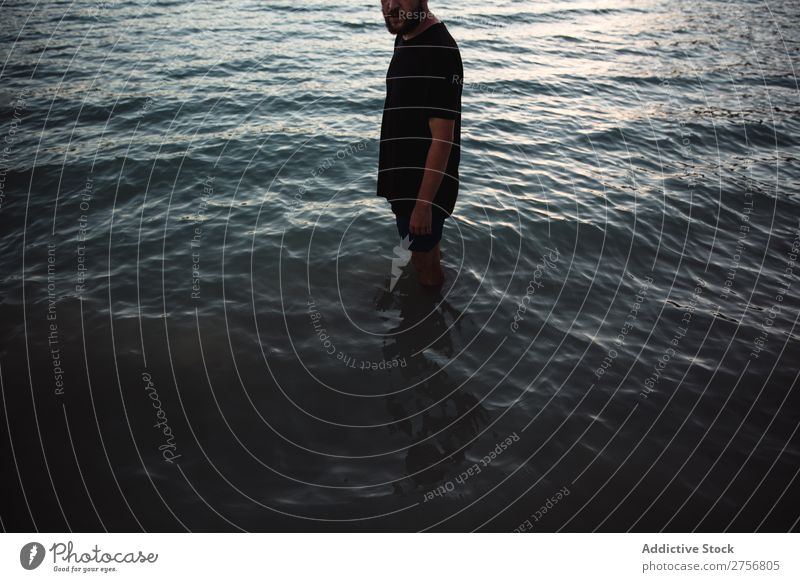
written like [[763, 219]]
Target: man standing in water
[[420, 144]]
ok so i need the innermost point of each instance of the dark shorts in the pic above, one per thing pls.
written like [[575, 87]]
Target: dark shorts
[[421, 242]]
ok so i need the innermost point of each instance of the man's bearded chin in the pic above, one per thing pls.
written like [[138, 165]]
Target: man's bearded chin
[[410, 20]]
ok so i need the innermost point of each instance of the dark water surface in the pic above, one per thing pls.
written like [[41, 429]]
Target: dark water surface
[[197, 328]]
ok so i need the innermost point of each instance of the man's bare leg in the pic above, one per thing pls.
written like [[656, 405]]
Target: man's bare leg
[[429, 267]]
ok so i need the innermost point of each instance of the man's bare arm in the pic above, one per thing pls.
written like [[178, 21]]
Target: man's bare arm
[[442, 131]]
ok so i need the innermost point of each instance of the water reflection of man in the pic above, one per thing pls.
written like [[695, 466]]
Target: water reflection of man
[[437, 415]]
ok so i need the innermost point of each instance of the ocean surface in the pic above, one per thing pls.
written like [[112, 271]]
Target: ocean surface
[[198, 331]]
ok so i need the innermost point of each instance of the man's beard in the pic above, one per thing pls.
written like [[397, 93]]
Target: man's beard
[[411, 19]]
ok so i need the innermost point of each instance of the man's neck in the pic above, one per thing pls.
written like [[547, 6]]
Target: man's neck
[[427, 22]]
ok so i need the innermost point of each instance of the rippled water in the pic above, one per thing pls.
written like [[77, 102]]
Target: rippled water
[[197, 327]]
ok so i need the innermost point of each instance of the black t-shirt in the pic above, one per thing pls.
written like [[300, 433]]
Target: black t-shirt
[[424, 80]]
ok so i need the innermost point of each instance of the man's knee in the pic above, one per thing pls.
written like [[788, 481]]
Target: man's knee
[[421, 257]]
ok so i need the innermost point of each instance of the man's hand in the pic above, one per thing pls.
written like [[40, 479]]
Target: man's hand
[[421, 218]]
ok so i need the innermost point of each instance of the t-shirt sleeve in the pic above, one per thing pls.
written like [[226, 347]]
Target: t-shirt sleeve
[[443, 95]]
